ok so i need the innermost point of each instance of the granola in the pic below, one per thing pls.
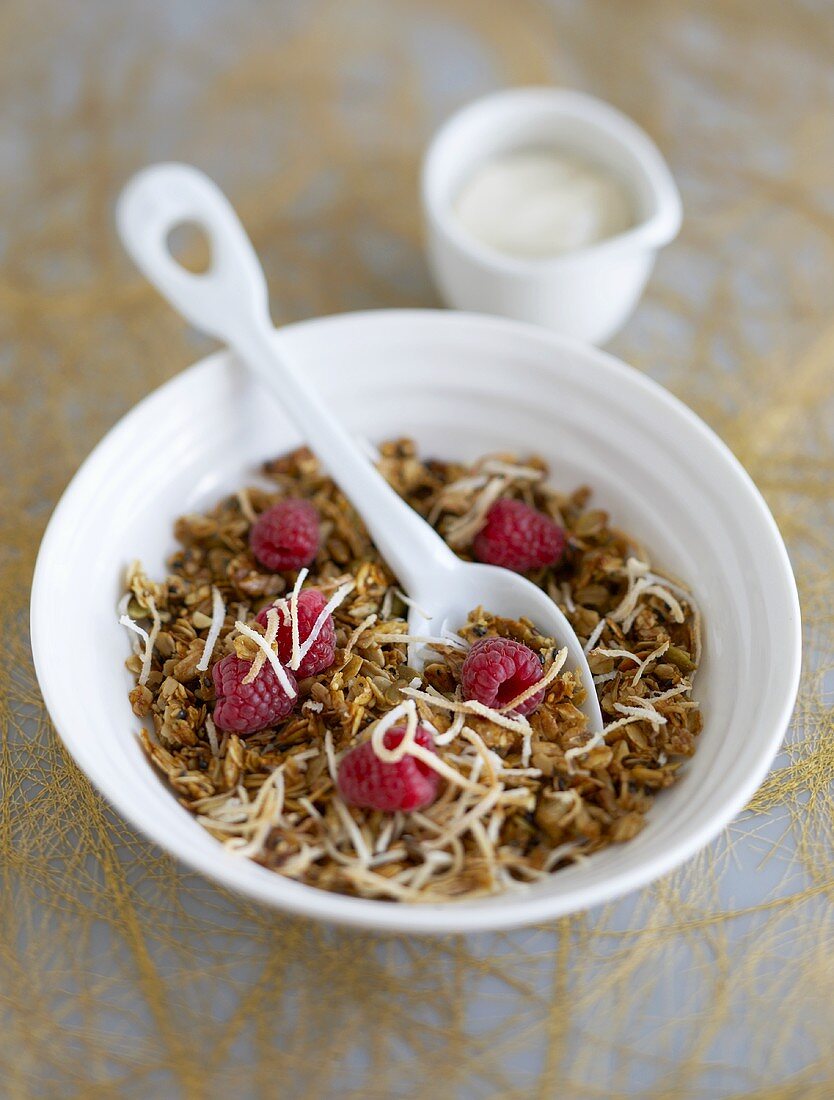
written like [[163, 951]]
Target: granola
[[519, 796]]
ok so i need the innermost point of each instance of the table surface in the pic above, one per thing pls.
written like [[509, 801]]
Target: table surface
[[123, 974]]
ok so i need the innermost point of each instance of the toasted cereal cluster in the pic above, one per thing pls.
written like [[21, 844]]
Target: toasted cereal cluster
[[285, 713]]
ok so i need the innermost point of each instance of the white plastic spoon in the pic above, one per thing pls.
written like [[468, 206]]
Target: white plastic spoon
[[230, 302]]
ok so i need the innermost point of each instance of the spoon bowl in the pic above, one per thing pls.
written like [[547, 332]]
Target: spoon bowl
[[230, 302], [510, 596]]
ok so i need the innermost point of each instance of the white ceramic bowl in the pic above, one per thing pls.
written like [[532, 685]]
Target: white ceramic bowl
[[588, 293], [461, 385]]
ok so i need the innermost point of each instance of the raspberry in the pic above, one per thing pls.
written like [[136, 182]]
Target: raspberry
[[286, 536], [368, 782], [498, 669], [322, 652], [518, 537], [247, 708]]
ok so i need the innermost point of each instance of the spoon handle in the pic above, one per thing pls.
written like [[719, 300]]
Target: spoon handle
[[230, 302]]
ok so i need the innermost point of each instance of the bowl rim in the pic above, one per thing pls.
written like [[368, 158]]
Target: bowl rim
[[652, 232], [381, 916]]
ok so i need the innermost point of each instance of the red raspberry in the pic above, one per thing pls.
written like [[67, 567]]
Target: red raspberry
[[247, 708], [286, 536], [498, 669], [518, 537], [322, 653], [368, 782]]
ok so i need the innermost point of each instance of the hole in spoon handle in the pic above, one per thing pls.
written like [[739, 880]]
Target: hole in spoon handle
[[228, 299]]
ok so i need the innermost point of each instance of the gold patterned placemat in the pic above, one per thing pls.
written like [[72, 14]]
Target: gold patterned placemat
[[120, 972]]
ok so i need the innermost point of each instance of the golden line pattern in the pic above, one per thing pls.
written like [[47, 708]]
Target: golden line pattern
[[122, 973]]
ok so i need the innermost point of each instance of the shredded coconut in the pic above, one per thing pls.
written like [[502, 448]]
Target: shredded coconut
[[595, 636], [696, 632], [269, 640], [635, 572], [218, 617], [361, 876], [406, 710], [356, 634], [353, 830], [125, 620], [450, 641], [494, 763], [246, 505], [563, 851], [392, 856], [410, 603], [511, 470], [622, 653], [155, 628], [308, 754], [463, 823], [534, 689], [462, 485], [299, 863], [271, 655], [567, 598], [671, 693], [295, 658], [417, 877], [648, 713], [384, 837], [148, 638], [260, 816], [604, 677], [675, 587], [661, 649], [464, 528], [666, 596], [408, 745], [309, 807], [471, 706], [328, 609], [526, 748], [593, 742], [332, 766], [387, 604], [642, 582], [454, 729], [211, 730], [495, 822]]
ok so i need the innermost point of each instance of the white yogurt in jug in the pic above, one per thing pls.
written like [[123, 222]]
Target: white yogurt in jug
[[536, 203]]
